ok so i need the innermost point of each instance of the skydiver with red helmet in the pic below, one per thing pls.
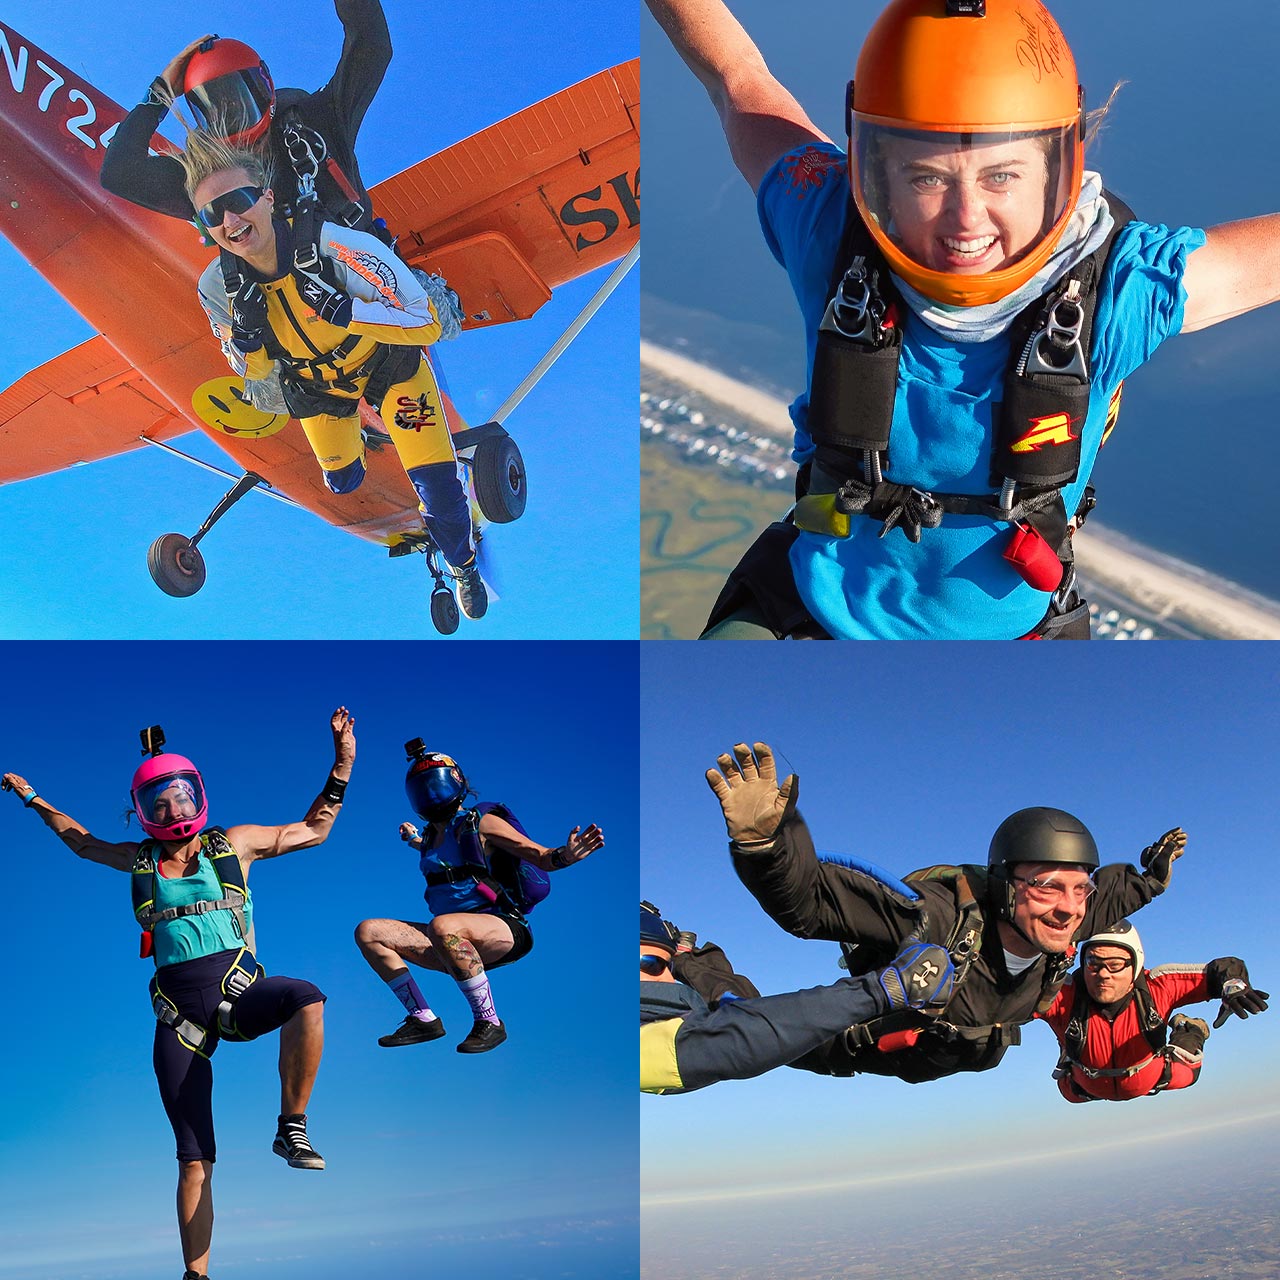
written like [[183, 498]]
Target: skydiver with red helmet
[[226, 84], [483, 874], [191, 897]]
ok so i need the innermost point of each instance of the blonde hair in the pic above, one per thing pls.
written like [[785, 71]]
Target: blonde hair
[[1095, 120], [207, 152]]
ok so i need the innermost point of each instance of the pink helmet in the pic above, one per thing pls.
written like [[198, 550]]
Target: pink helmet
[[172, 785]]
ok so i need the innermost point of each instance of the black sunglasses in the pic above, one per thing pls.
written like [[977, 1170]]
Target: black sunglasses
[[241, 200], [654, 965]]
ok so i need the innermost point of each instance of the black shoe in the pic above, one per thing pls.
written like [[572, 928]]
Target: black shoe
[[194, 1275], [413, 1031], [484, 1036], [473, 599], [291, 1144]]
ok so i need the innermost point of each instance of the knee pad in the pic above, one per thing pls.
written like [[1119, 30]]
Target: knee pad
[[345, 479]]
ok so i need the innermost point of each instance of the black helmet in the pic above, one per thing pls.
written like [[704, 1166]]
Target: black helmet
[[434, 785], [1036, 835], [655, 931]]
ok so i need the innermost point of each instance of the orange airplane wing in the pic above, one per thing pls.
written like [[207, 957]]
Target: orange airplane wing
[[535, 200], [86, 404]]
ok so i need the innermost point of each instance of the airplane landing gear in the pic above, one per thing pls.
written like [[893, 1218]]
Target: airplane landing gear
[[445, 614], [497, 471], [174, 561]]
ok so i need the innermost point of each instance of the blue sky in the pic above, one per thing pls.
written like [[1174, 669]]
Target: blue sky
[[911, 755], [81, 537], [532, 1146]]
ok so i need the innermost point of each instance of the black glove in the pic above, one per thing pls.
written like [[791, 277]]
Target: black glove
[[325, 299], [1158, 858], [1229, 979], [249, 318], [920, 976]]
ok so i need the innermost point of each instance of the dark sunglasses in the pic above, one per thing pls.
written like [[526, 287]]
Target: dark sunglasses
[[654, 965], [241, 200]]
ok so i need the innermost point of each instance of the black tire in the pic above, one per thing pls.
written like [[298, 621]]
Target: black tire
[[444, 611], [501, 486], [176, 567]]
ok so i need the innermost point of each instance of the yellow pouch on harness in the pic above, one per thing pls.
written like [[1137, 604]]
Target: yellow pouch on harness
[[816, 513]]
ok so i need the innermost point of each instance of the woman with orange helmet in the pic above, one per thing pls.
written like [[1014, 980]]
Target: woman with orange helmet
[[227, 86], [950, 262]]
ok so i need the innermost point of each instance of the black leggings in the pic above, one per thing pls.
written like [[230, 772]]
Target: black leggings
[[186, 1077]]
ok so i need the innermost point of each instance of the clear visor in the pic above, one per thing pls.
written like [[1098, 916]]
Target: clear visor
[[231, 104], [170, 799], [964, 203]]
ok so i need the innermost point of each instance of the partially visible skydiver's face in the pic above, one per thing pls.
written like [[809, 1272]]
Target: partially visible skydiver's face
[[655, 964], [176, 802], [966, 210]]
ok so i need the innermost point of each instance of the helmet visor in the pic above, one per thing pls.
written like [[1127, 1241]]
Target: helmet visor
[[170, 799], [964, 203], [232, 104], [436, 787]]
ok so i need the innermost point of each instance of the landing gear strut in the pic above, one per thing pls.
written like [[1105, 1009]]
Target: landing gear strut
[[445, 615], [174, 561]]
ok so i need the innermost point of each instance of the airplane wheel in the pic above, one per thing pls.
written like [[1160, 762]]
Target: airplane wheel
[[501, 487], [176, 567], [444, 611]]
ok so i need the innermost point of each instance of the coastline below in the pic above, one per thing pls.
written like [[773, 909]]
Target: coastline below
[[1161, 585]]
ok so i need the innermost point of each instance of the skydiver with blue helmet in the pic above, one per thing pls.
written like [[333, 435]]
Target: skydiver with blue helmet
[[701, 1024], [1010, 926], [474, 861], [192, 899], [973, 299]]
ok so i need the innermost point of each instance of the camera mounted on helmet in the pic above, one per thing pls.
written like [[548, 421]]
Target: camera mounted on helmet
[[435, 785], [167, 791]]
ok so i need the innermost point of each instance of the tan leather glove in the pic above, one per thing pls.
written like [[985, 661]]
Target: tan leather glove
[[754, 805]]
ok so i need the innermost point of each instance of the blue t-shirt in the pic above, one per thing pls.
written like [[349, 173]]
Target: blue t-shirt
[[953, 584]]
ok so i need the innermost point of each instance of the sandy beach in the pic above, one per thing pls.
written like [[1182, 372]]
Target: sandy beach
[[1158, 583]]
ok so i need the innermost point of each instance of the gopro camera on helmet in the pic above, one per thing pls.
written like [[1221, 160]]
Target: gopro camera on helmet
[[415, 749], [152, 740]]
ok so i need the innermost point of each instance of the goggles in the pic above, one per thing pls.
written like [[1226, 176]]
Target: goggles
[[1107, 966], [240, 200], [1046, 890], [654, 966]]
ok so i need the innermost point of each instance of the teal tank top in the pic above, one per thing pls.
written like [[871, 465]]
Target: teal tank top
[[191, 937]]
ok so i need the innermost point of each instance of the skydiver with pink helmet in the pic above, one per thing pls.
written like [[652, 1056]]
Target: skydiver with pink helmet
[[191, 898]]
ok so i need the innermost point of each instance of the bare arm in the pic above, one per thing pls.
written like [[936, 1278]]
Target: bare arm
[[253, 842], [497, 832], [1237, 270], [81, 842], [760, 117]]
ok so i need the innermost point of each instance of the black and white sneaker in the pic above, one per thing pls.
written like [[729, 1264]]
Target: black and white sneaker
[[291, 1144], [413, 1031], [473, 598], [484, 1036]]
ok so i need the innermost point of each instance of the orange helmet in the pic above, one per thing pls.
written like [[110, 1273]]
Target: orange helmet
[[956, 96]]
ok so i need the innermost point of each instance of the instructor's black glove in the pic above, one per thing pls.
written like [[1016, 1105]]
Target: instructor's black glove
[[920, 976], [1158, 858], [324, 298], [249, 318], [1229, 979]]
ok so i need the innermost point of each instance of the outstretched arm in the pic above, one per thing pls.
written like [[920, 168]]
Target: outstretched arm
[[252, 842], [69, 831], [1236, 270], [581, 842], [761, 119]]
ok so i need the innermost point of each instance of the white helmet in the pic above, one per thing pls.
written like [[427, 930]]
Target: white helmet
[[1120, 934]]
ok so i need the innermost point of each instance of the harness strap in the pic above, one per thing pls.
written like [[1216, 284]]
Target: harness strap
[[241, 974], [149, 919]]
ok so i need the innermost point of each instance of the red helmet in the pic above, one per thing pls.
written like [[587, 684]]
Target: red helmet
[[228, 87]]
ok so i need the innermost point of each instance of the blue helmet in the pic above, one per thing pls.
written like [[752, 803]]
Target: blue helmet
[[435, 786]]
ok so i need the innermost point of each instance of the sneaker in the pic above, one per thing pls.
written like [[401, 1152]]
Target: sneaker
[[413, 1031], [291, 1144], [484, 1036], [473, 599]]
